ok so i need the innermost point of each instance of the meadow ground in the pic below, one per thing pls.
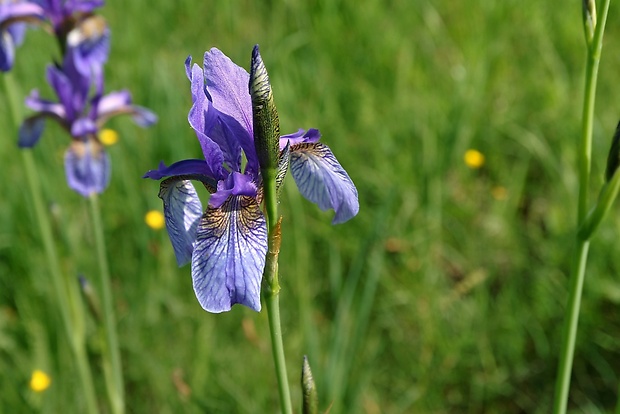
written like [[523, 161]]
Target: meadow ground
[[445, 294]]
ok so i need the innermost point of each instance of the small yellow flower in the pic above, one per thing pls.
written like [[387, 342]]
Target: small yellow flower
[[155, 219], [473, 158], [108, 137], [39, 381]]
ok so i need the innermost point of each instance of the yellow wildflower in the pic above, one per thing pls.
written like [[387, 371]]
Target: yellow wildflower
[[473, 158], [108, 137], [39, 381], [155, 219]]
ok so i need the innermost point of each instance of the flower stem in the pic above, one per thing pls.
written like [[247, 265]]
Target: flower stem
[[567, 353], [277, 347], [583, 244], [272, 291], [67, 295], [111, 354]]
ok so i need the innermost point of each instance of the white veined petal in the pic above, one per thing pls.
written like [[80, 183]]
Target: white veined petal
[[182, 210], [229, 255], [322, 180]]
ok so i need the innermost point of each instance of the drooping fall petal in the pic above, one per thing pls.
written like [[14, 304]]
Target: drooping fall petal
[[229, 255], [322, 180], [87, 167], [182, 210]]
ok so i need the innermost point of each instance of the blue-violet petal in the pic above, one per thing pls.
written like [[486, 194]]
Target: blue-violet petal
[[229, 255], [182, 210], [301, 136], [198, 169], [30, 131], [322, 180], [87, 167]]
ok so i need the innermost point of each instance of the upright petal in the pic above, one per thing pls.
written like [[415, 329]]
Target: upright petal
[[87, 167], [229, 255], [70, 100], [182, 209], [227, 86], [322, 180]]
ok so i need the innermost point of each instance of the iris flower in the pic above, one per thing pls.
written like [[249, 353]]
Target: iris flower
[[13, 18], [82, 114], [59, 11], [227, 242], [79, 32]]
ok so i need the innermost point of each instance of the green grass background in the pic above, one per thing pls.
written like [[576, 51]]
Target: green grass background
[[436, 298]]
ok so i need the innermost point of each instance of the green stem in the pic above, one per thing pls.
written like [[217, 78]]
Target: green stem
[[272, 291], [277, 347], [570, 328], [111, 355], [578, 270], [67, 295]]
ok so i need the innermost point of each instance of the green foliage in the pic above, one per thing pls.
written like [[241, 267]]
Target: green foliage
[[445, 294]]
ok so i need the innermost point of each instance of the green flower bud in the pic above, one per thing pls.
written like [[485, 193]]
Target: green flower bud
[[613, 159], [88, 293], [589, 19], [608, 193], [310, 395], [265, 115]]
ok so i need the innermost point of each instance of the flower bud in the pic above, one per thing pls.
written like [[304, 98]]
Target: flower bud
[[589, 19], [310, 395], [265, 115], [613, 159], [89, 295]]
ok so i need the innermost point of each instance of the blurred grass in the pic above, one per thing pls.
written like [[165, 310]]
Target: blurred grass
[[438, 297]]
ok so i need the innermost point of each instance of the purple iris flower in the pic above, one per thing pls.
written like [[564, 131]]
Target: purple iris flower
[[59, 11], [80, 32], [14, 15], [227, 242], [82, 114]]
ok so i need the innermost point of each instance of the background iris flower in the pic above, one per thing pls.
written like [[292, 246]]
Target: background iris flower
[[227, 243], [82, 113], [78, 31], [13, 18], [58, 11]]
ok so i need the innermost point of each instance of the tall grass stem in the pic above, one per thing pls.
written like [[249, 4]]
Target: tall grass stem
[[67, 295], [111, 356], [579, 265]]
